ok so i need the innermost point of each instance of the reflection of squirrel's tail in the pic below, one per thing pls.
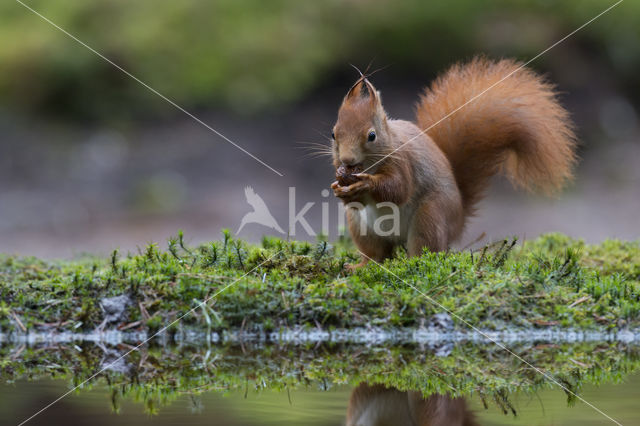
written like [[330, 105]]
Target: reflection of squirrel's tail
[[509, 122]]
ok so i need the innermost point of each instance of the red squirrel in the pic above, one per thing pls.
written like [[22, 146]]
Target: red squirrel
[[436, 169], [377, 405]]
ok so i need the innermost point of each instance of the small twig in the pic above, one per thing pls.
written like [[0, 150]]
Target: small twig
[[52, 324], [578, 363], [143, 311], [50, 303], [16, 354], [543, 322], [284, 300], [130, 325], [577, 302], [15, 317], [244, 322]]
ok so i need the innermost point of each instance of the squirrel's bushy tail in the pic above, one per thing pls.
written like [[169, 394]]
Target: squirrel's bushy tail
[[516, 126]]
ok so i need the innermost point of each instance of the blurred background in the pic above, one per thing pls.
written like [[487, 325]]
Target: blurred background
[[90, 160]]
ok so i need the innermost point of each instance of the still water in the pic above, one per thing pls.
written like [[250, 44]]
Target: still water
[[332, 385], [301, 407]]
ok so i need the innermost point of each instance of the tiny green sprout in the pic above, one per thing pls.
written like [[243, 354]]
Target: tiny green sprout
[[181, 241], [114, 261], [226, 233]]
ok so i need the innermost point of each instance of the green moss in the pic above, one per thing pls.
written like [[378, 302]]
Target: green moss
[[156, 376], [550, 281]]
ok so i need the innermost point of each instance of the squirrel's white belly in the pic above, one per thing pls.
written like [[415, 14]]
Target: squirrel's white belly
[[387, 220]]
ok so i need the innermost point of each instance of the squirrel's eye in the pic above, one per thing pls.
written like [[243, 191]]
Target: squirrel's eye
[[372, 136], [333, 136]]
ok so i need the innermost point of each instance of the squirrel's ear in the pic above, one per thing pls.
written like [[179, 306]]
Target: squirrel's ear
[[362, 89]]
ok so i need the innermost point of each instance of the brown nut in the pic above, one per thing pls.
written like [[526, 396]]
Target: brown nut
[[345, 174]]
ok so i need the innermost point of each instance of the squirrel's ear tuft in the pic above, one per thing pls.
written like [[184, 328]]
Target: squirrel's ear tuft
[[362, 89]]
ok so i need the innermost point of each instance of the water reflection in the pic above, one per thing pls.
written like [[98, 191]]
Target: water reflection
[[377, 405], [389, 381]]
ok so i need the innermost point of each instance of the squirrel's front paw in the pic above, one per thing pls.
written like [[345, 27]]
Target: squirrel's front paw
[[352, 192]]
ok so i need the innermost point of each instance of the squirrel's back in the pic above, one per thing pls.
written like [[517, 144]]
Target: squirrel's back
[[490, 116]]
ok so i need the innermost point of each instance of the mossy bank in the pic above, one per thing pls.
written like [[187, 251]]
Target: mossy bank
[[552, 281]]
